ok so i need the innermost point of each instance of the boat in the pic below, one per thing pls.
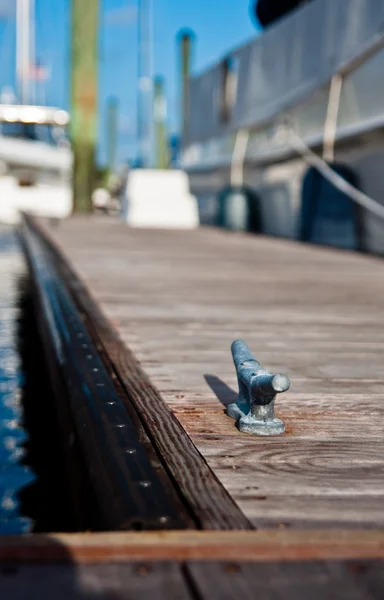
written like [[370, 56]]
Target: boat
[[317, 73], [35, 162], [35, 154]]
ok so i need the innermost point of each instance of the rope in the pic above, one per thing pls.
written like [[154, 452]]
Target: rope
[[298, 144]]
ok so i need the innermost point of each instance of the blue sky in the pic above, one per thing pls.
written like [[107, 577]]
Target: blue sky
[[218, 24]]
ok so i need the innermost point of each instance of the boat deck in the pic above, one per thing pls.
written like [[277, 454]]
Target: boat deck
[[179, 298]]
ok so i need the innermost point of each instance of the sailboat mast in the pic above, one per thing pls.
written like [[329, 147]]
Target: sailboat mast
[[24, 19], [144, 98]]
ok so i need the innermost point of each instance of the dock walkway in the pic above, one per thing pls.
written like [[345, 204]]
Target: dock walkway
[[179, 298]]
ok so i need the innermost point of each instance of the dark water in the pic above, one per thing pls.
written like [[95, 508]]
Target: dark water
[[46, 500], [33, 495]]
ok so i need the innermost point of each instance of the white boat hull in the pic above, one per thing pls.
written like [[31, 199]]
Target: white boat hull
[[48, 200]]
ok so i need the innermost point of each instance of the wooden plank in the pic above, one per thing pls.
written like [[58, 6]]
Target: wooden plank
[[362, 580], [277, 545], [210, 504], [178, 299], [153, 581], [285, 581], [312, 418]]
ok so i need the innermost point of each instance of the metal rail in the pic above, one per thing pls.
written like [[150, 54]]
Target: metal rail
[[124, 478]]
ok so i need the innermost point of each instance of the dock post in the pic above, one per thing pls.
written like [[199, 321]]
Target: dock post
[[112, 119], [85, 17], [186, 39], [160, 127]]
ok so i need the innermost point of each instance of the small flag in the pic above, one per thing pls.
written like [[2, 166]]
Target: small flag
[[38, 72]]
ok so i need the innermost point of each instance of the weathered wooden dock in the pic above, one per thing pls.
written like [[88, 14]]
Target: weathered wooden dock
[[178, 299], [313, 496]]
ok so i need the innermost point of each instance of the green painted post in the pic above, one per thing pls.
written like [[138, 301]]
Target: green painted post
[[112, 119], [85, 20], [186, 42], [160, 115]]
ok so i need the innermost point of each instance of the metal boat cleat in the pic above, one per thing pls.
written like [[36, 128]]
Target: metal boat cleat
[[255, 409]]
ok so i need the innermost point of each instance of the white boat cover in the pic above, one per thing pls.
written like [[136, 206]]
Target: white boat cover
[[288, 62]]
